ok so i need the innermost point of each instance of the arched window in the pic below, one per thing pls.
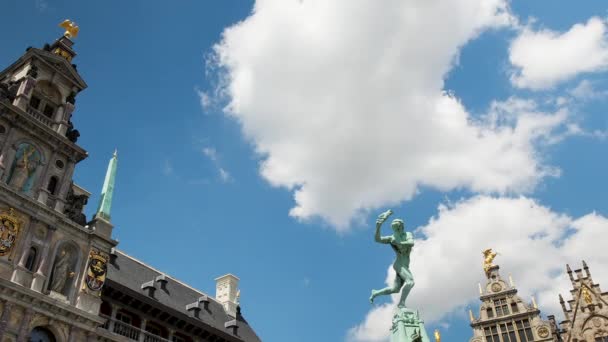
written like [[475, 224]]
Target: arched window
[[40, 334], [52, 185], [30, 263]]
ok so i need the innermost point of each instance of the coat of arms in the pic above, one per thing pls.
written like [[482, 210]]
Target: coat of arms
[[96, 270], [9, 231]]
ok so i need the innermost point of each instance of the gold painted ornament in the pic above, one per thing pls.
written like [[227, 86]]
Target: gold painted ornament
[[10, 226], [97, 270]]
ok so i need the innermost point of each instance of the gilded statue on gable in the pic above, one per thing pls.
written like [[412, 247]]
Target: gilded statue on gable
[[488, 256]]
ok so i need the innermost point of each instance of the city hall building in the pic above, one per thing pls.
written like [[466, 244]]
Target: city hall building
[[61, 277]]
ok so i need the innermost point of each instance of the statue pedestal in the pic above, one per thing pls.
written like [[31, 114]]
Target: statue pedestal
[[408, 327]]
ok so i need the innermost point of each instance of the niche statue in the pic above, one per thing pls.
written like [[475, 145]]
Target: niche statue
[[62, 272]]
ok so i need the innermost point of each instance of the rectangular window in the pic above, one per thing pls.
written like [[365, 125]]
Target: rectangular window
[[490, 312], [514, 308], [49, 110], [120, 316], [524, 331], [35, 102], [501, 306], [491, 334]]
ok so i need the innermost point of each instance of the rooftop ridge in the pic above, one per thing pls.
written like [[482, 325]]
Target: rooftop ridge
[[167, 275]]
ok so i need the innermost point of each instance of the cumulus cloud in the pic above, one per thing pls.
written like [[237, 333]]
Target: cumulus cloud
[[534, 243], [344, 103], [544, 58]]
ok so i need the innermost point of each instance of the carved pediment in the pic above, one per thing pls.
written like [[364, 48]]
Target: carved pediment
[[61, 65]]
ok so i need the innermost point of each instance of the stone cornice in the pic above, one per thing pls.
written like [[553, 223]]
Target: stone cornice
[[47, 306], [49, 216], [43, 132], [520, 315]]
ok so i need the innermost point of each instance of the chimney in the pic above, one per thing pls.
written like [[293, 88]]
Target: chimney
[[226, 289]]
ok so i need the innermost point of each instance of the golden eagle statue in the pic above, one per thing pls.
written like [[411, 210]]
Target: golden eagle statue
[[71, 29]]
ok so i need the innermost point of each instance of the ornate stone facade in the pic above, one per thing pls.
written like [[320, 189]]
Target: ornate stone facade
[[45, 241], [586, 313], [61, 278], [504, 316]]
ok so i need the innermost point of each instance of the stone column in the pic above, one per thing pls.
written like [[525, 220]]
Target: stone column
[[74, 332], [113, 314], [64, 185], [9, 158], [63, 120], [40, 275], [91, 337], [25, 251], [22, 100], [4, 157], [142, 334], [6, 316], [43, 193], [24, 328], [20, 275]]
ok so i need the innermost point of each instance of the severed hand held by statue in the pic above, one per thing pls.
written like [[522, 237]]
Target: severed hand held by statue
[[382, 217]]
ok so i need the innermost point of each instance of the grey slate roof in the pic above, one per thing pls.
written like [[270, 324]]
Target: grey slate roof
[[125, 271]]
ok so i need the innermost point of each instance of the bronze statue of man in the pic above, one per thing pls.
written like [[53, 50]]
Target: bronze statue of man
[[402, 243]]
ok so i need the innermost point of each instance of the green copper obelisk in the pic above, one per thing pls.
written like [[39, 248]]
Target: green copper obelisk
[[407, 325], [105, 202]]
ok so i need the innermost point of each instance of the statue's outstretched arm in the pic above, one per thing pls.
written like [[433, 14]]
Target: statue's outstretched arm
[[381, 239], [381, 218]]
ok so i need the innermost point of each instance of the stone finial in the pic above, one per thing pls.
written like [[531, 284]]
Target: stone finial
[[569, 270], [586, 268]]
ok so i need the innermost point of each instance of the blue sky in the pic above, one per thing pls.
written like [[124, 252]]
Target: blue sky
[[322, 111]]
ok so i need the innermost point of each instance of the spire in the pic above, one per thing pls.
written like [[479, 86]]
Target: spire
[[586, 268], [569, 271], [105, 202]]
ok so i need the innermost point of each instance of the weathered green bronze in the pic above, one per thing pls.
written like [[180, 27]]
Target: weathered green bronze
[[407, 325]]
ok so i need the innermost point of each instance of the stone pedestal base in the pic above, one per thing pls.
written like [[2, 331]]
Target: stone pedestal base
[[38, 282], [22, 276], [408, 327], [88, 302], [59, 297]]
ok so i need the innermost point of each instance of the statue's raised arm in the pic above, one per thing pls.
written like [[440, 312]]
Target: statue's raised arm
[[381, 219]]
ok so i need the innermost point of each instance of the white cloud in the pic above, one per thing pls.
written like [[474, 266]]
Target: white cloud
[[534, 243], [544, 58], [586, 91], [343, 101], [204, 98], [212, 154]]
